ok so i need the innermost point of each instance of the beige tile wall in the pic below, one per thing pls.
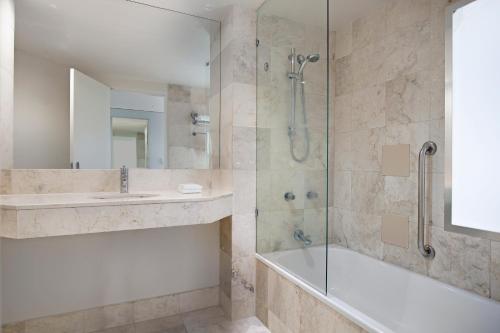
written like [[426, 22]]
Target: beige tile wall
[[137, 316], [287, 308], [389, 78], [39, 181], [186, 151], [24, 181], [238, 150]]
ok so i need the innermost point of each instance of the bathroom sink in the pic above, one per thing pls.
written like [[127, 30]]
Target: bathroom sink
[[124, 196]]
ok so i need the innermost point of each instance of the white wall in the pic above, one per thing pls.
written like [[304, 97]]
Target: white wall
[[41, 118], [61, 274], [7, 26], [90, 122], [131, 104], [125, 151], [6, 81]]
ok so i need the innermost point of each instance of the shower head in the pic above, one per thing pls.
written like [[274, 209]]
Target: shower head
[[310, 58], [313, 57]]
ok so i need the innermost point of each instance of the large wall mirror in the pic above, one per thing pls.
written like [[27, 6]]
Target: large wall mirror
[[472, 180], [105, 83]]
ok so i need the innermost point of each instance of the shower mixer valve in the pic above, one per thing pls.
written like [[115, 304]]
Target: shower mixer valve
[[312, 195], [289, 196]]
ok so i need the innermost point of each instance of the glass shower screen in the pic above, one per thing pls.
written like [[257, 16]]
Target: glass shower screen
[[292, 137]]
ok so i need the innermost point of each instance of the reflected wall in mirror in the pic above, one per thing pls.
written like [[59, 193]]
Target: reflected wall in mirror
[[472, 180], [130, 142], [100, 84]]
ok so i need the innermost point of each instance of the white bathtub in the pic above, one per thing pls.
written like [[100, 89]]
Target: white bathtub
[[382, 297]]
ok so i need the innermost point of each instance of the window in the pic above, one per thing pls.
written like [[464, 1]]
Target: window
[[472, 200]]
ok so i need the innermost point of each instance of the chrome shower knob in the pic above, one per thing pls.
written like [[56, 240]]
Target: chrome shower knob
[[289, 196]]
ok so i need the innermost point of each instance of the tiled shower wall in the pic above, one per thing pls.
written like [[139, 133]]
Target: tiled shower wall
[[389, 89], [278, 173]]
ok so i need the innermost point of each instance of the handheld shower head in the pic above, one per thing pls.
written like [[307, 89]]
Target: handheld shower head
[[310, 58], [313, 57]]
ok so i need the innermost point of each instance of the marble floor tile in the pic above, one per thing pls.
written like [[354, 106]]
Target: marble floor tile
[[209, 320], [212, 320], [172, 324], [248, 325]]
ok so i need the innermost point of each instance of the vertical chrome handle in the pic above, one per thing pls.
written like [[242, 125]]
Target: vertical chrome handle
[[428, 149]]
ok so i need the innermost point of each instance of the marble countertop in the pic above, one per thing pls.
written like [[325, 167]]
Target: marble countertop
[[46, 215], [97, 199]]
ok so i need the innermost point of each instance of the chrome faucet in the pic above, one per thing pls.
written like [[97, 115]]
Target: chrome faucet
[[299, 236], [124, 179]]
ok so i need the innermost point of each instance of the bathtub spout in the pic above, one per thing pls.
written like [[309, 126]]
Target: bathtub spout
[[299, 236]]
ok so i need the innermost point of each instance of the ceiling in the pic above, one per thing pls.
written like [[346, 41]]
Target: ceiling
[[116, 38]]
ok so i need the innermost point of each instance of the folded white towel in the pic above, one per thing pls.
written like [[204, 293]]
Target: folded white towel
[[189, 188]]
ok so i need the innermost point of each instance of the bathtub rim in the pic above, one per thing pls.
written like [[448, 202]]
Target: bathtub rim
[[343, 308]]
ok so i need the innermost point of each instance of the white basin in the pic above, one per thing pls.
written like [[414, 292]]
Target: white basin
[[124, 196]]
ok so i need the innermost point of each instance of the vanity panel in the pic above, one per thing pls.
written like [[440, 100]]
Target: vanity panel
[[32, 216]]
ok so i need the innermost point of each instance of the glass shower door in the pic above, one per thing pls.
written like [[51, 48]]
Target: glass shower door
[[292, 137]]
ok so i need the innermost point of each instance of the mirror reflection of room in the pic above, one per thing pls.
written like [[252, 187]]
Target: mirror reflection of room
[[130, 142], [83, 90]]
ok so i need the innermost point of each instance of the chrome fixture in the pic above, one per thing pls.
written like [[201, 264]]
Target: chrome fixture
[[199, 119], [299, 236], [428, 149], [124, 179], [312, 195], [304, 61], [294, 76], [289, 196]]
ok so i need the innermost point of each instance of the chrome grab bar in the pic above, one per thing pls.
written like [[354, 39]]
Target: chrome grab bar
[[428, 149]]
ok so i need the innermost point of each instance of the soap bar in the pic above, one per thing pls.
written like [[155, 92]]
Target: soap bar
[[189, 188]]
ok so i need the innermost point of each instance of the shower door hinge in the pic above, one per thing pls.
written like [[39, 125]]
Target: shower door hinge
[[257, 42], [256, 212]]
